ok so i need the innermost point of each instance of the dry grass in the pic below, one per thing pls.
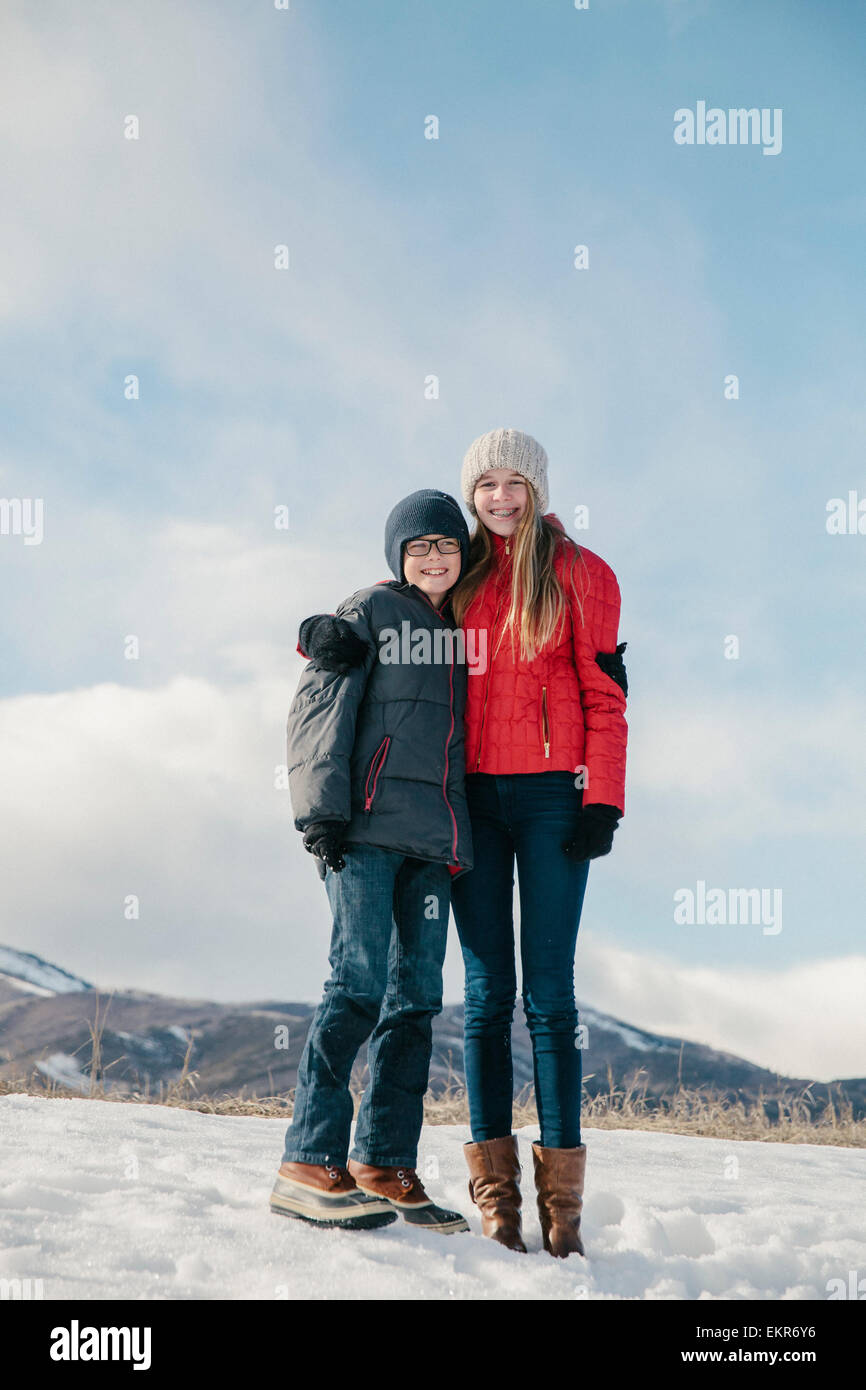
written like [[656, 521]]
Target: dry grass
[[780, 1118], [685, 1111], [783, 1117]]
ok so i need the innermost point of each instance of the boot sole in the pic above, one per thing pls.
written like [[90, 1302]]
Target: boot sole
[[449, 1228], [318, 1209], [351, 1223]]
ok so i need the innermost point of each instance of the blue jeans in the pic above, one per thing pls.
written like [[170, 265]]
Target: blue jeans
[[527, 817], [387, 950]]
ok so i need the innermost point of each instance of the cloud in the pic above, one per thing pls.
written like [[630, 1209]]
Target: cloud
[[729, 766], [804, 1020], [167, 795]]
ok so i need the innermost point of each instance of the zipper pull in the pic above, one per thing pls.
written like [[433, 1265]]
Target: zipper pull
[[508, 545]]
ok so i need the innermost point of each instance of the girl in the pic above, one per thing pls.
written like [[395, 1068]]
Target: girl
[[375, 761], [545, 761]]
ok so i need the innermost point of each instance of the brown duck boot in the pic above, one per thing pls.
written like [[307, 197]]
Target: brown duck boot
[[494, 1186], [559, 1175], [326, 1195], [404, 1191]]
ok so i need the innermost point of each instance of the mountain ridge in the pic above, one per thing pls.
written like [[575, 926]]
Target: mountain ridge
[[45, 1019]]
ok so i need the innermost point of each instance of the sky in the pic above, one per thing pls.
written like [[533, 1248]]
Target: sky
[[149, 622]]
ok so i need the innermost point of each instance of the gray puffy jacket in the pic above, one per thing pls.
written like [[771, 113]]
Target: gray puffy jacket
[[381, 747]]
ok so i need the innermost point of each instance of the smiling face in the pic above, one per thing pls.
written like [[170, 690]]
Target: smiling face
[[434, 573], [501, 499]]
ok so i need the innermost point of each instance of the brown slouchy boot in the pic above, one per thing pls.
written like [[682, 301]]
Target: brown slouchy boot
[[494, 1186], [559, 1177]]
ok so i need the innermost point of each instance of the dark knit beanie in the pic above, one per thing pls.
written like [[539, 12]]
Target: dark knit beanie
[[424, 513]]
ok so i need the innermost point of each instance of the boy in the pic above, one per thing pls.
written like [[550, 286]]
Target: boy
[[376, 769]]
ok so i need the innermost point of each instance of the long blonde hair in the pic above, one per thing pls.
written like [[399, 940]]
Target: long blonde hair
[[538, 600]]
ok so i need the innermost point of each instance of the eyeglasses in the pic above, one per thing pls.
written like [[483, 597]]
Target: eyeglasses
[[446, 546]]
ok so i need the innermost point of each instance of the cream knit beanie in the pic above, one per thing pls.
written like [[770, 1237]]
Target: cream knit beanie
[[505, 449]]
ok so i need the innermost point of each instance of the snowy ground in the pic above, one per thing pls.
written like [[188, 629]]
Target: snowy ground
[[103, 1200]]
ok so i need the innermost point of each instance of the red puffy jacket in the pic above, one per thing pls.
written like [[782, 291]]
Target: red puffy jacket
[[560, 711]]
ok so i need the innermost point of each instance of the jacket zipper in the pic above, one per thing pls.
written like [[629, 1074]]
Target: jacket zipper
[[487, 688], [445, 777], [377, 763], [448, 739], [545, 722], [487, 683]]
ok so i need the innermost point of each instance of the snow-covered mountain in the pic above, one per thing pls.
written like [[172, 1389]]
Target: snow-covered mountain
[[25, 973], [44, 1030]]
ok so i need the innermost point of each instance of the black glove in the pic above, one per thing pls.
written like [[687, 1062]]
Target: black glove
[[324, 839], [594, 832], [613, 665], [331, 643]]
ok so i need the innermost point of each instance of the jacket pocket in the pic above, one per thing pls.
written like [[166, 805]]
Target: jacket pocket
[[545, 722], [375, 768]]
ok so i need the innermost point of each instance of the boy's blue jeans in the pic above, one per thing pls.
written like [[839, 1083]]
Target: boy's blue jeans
[[526, 816], [387, 951]]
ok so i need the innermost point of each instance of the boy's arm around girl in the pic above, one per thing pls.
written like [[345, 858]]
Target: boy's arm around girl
[[321, 729], [376, 751]]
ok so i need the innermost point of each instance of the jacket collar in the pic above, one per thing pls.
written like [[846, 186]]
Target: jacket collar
[[412, 591], [502, 546]]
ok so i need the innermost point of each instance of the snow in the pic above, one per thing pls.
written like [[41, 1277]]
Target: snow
[[26, 986], [31, 969], [643, 1042], [145, 1044], [63, 1067], [102, 1200]]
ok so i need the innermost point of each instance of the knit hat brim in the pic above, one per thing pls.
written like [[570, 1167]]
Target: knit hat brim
[[505, 449]]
